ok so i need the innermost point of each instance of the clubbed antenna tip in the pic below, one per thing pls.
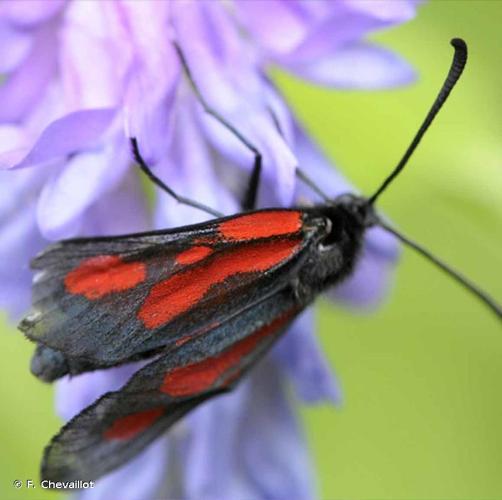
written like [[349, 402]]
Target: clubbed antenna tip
[[456, 69]]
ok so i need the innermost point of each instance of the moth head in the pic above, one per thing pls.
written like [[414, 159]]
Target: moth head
[[350, 214], [357, 209]]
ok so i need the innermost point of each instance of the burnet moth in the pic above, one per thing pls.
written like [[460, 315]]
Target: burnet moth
[[206, 301]]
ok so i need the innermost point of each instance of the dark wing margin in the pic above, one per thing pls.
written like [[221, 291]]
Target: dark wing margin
[[121, 424], [106, 301]]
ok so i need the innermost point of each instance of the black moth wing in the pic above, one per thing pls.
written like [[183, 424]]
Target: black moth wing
[[108, 331], [121, 424]]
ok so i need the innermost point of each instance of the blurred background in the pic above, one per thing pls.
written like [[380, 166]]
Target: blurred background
[[421, 377]]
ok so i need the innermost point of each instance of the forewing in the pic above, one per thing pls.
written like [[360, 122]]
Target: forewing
[[107, 301], [122, 423]]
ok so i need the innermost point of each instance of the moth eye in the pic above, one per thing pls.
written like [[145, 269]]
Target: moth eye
[[329, 226], [333, 235]]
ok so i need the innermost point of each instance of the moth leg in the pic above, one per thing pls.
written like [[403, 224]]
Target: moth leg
[[180, 199], [300, 292], [250, 196]]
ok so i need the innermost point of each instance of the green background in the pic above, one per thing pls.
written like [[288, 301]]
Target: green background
[[421, 377]]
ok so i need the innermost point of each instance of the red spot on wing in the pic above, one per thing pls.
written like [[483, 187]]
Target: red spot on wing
[[261, 225], [193, 255], [104, 274], [127, 427], [197, 377], [175, 295]]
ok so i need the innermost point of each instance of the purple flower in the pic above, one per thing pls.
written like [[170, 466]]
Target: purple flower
[[80, 77]]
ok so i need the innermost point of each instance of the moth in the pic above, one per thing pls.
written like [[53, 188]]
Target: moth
[[205, 302]]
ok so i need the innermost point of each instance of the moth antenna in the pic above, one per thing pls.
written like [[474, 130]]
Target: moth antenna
[[250, 199], [486, 299], [456, 68], [180, 199]]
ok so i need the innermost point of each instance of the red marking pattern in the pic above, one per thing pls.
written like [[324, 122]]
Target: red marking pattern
[[261, 225], [98, 276], [130, 425], [197, 377], [193, 255], [177, 294]]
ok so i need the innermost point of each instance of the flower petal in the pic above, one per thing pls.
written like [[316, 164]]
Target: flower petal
[[315, 164], [301, 357], [261, 18], [252, 440], [212, 451], [120, 211], [20, 237], [71, 190], [309, 31], [139, 479], [93, 62], [26, 85], [68, 135], [15, 46], [372, 278], [274, 449], [14, 143], [189, 158], [21, 241], [386, 10], [226, 75], [279, 163], [28, 14], [357, 66], [73, 394], [154, 76]]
